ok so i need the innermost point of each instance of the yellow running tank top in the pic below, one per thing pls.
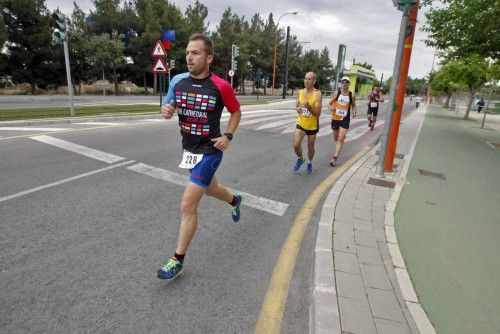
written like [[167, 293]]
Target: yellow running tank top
[[306, 120]]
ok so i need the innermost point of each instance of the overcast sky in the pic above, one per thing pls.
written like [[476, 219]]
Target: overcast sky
[[369, 28]]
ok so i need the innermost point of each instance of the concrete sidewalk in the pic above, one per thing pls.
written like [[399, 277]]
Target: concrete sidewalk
[[360, 283], [448, 232]]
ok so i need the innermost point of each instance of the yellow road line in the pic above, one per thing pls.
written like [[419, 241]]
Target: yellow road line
[[273, 307]]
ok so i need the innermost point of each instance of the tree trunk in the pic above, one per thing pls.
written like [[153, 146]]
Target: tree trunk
[[145, 83], [80, 88], [472, 93], [453, 101], [33, 88], [447, 103], [115, 81]]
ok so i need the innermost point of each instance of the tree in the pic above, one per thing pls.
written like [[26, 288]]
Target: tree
[[30, 55], [468, 74], [106, 51], [463, 27], [79, 36]]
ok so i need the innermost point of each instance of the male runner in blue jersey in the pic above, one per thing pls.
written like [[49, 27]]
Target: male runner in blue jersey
[[199, 97]]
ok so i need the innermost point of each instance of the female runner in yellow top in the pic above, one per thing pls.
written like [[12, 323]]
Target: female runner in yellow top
[[308, 108]]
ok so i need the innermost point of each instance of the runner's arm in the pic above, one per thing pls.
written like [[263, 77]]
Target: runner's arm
[[354, 108], [331, 103], [223, 142], [317, 108]]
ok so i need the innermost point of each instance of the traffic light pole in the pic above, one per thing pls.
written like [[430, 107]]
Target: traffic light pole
[[68, 77]]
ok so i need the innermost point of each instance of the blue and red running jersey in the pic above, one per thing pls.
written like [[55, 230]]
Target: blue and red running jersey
[[199, 104]]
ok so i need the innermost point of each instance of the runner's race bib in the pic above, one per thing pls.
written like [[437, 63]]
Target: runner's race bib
[[373, 104], [341, 112], [305, 112], [190, 160]]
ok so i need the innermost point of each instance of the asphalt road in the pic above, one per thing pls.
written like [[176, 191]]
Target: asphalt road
[[87, 215]]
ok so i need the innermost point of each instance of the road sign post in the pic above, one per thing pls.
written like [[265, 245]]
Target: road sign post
[[160, 66]]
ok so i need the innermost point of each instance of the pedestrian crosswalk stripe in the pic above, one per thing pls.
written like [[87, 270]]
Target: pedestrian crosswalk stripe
[[253, 201]]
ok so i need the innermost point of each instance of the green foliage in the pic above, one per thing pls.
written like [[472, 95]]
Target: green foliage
[[118, 30], [29, 32], [462, 28]]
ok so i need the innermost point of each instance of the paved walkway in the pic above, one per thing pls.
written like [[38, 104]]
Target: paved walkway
[[360, 281]]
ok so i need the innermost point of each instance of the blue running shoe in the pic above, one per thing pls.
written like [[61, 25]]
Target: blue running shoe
[[235, 211], [171, 270], [299, 163], [309, 168]]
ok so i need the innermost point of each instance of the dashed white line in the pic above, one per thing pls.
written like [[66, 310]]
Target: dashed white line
[[53, 184], [79, 149], [22, 128]]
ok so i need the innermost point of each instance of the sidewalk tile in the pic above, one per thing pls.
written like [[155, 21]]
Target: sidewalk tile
[[365, 238], [362, 214], [344, 244], [363, 225], [385, 305], [375, 276], [369, 255], [344, 229], [344, 216], [380, 235], [391, 327], [356, 316], [347, 263], [350, 285]]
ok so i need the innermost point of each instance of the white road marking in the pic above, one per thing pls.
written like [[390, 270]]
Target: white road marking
[[277, 124], [157, 120], [263, 119], [22, 128], [53, 184], [86, 151], [99, 123], [256, 202]]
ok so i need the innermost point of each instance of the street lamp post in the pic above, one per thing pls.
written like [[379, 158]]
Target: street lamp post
[[276, 48]]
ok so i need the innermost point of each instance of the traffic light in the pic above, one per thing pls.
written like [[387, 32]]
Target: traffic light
[[172, 64], [60, 23], [235, 52]]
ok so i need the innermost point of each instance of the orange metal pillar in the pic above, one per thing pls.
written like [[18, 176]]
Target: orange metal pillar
[[400, 95]]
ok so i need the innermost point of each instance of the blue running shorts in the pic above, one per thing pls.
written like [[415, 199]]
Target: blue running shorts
[[204, 171]]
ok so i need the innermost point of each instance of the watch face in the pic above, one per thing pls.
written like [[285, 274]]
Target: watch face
[[229, 135]]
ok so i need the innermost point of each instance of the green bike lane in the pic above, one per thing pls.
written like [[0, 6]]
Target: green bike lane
[[449, 229]]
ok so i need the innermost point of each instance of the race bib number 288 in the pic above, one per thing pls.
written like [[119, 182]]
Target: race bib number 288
[[190, 160]]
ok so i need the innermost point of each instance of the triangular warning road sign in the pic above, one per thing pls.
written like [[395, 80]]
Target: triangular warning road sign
[[160, 66], [158, 50]]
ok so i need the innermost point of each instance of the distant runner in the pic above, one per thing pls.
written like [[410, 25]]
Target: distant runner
[[374, 99], [340, 105]]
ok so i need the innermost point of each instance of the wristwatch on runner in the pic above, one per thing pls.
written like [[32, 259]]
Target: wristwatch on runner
[[229, 135]]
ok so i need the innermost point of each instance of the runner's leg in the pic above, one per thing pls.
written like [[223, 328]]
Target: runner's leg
[[189, 209], [297, 142], [219, 191], [341, 134], [310, 146]]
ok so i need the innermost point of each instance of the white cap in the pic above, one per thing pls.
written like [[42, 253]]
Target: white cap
[[345, 78]]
